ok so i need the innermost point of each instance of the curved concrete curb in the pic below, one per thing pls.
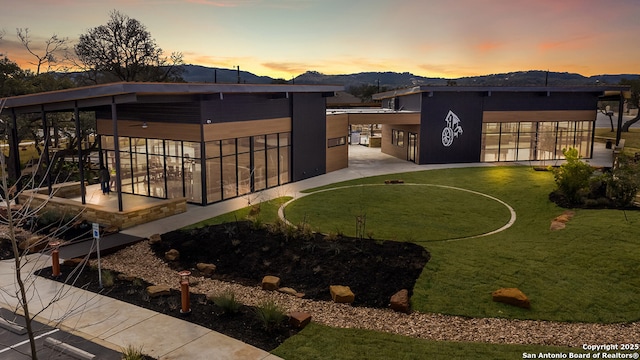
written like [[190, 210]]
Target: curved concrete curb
[[512, 219]]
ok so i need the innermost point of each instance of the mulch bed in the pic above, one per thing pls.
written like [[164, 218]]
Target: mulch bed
[[244, 253]]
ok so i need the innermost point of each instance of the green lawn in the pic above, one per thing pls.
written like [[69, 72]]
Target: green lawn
[[631, 138], [323, 342], [587, 272], [426, 213]]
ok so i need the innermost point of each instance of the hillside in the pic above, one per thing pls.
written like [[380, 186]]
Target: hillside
[[394, 80]]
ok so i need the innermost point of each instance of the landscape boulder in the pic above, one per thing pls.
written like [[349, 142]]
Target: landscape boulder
[[341, 294], [72, 262], [172, 255], [511, 296], [154, 239], [299, 319], [400, 301], [290, 291], [158, 290], [206, 269], [270, 283]]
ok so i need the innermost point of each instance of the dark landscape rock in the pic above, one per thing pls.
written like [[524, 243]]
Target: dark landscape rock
[[400, 301]]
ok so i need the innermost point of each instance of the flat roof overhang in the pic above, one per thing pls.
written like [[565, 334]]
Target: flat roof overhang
[[129, 92], [612, 92]]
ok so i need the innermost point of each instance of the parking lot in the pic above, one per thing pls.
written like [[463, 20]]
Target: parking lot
[[51, 343]]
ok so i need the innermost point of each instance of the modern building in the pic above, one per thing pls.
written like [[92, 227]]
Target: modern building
[[450, 124], [211, 142], [203, 142]]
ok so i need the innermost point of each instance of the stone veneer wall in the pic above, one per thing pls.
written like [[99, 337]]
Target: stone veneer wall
[[101, 215]]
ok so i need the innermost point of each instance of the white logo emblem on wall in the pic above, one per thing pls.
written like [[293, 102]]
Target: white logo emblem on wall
[[452, 130]]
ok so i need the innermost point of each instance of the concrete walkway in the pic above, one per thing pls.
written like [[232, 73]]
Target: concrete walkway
[[117, 325], [363, 162]]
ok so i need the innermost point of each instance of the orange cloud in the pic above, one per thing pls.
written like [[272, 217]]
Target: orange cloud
[[287, 67], [488, 46], [567, 44]]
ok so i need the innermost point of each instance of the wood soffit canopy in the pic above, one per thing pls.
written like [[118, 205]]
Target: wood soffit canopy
[[127, 92]]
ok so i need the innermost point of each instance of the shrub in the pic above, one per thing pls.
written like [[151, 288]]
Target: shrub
[[572, 177], [132, 353], [624, 181], [227, 301], [270, 314], [107, 278]]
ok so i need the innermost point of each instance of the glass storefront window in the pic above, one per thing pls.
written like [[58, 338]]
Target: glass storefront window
[[259, 143], [244, 145], [123, 143], [175, 185], [193, 181], [285, 139], [138, 145], [272, 167], [244, 173], [214, 182], [172, 148], [523, 141], [285, 155], [228, 147], [229, 177], [259, 170], [106, 142], [191, 150], [272, 140], [155, 146], [212, 149]]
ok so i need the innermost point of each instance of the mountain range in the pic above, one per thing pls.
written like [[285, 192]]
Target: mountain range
[[394, 80]]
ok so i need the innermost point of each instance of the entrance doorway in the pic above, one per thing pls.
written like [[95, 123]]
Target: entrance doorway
[[412, 147]]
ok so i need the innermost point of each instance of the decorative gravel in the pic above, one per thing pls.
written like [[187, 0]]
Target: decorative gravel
[[138, 260]]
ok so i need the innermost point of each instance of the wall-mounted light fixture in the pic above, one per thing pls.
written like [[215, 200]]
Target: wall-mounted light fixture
[[208, 121], [144, 125]]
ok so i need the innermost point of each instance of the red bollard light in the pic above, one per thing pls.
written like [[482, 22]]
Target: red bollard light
[[55, 259], [184, 290]]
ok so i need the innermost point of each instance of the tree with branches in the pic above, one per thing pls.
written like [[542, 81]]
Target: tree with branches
[[123, 50], [28, 243], [634, 101], [54, 53]]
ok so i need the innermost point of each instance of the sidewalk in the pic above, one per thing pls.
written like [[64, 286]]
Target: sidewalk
[[116, 324]]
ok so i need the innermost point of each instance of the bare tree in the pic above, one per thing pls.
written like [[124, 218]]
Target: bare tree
[[54, 53], [633, 102], [28, 248], [123, 50]]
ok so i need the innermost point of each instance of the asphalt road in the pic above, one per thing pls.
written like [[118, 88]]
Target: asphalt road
[[14, 346]]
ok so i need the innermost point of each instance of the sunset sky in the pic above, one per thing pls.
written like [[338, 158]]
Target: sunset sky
[[433, 38]]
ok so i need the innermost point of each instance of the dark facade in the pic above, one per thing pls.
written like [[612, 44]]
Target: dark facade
[[204, 142], [483, 124]]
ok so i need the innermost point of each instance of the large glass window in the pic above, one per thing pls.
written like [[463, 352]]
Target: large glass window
[[545, 140], [171, 169]]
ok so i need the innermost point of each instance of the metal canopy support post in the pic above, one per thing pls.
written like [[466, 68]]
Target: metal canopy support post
[[620, 110], [47, 158], [76, 114], [116, 148], [15, 147]]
